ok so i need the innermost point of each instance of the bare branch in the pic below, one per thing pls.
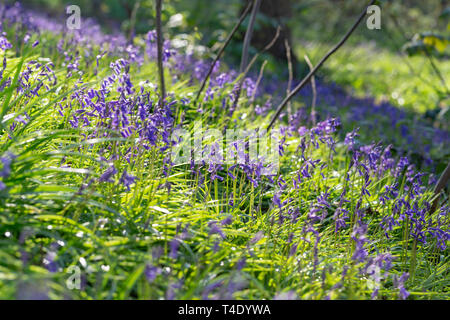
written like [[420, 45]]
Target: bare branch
[[160, 44], [291, 73], [317, 67], [314, 90], [133, 21], [248, 35], [258, 81], [250, 65], [222, 49], [439, 186]]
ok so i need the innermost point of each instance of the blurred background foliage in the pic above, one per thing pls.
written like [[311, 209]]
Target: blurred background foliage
[[313, 20], [406, 62]]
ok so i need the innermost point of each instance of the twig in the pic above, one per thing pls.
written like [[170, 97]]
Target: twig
[[160, 44], [248, 35], [222, 49], [291, 74], [436, 70], [258, 81], [314, 90], [443, 180], [317, 67]]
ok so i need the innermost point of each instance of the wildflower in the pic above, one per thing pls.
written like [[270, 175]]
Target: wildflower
[[374, 294], [402, 163], [233, 286], [359, 236], [231, 201], [49, 261], [350, 138], [241, 263], [390, 192], [250, 86], [399, 283], [214, 229], [170, 293], [276, 199], [108, 174], [210, 288], [174, 245], [340, 215], [151, 272], [227, 221], [293, 249], [6, 161], [151, 36], [223, 79], [127, 179], [4, 43]]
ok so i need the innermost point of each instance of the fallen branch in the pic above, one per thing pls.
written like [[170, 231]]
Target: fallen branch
[[317, 67]]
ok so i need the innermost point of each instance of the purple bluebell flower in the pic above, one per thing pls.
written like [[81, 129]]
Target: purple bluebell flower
[[210, 288], [227, 221], [49, 261], [174, 245], [4, 43], [215, 229], [276, 199], [350, 138], [151, 272], [399, 283], [127, 179], [359, 236], [6, 162], [107, 176], [241, 263], [171, 289]]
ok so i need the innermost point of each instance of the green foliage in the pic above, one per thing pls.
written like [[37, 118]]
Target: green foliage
[[56, 212]]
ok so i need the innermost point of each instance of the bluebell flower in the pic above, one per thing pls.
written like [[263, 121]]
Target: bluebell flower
[[108, 174], [174, 245], [214, 229], [127, 179], [359, 236], [227, 221], [151, 272], [4, 43], [241, 263], [399, 283]]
